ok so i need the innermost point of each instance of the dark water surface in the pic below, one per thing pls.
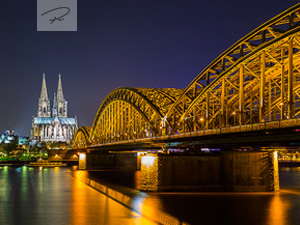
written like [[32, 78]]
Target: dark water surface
[[51, 196], [281, 208], [42, 196]]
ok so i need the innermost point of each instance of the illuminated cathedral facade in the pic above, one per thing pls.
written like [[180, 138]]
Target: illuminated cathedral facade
[[55, 126]]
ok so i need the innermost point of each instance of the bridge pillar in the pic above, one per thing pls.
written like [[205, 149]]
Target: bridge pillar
[[108, 160], [228, 171], [82, 161]]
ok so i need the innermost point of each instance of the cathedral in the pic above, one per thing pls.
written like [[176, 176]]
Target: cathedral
[[57, 127]]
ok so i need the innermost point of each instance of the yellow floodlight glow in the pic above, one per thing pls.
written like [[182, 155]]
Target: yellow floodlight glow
[[276, 156], [148, 160], [82, 156]]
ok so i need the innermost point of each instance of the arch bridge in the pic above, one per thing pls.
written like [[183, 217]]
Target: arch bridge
[[252, 86]]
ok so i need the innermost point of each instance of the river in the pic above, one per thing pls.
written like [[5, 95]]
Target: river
[[40, 196]]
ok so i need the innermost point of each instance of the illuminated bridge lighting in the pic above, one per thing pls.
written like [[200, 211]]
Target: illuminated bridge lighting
[[255, 81]]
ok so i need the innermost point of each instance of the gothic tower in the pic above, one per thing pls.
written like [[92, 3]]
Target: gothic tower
[[44, 102], [55, 128], [60, 103], [54, 109]]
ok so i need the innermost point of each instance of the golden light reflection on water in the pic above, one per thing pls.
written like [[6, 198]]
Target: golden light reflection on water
[[24, 186], [5, 185], [91, 207], [151, 208], [81, 175], [137, 177], [78, 202], [278, 211], [147, 207]]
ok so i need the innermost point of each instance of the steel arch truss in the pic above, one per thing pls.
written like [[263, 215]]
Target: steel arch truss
[[81, 137], [255, 80], [131, 113]]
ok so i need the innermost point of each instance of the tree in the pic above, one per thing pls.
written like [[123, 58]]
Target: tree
[[8, 147]]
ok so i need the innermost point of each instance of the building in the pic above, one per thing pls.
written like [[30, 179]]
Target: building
[[55, 127], [9, 137]]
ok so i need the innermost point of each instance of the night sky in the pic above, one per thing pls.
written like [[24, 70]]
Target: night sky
[[125, 43]]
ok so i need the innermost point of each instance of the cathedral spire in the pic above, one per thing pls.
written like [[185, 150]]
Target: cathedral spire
[[62, 104], [58, 127], [44, 102], [44, 93], [60, 94], [54, 109]]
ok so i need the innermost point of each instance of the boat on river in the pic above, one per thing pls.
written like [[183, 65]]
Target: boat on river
[[45, 163]]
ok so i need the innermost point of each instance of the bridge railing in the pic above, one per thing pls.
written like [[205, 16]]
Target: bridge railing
[[264, 126]]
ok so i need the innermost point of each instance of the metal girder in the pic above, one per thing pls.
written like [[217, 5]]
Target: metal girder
[[256, 80], [253, 56], [132, 113], [81, 137]]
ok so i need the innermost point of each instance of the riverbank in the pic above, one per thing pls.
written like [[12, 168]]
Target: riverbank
[[15, 163], [18, 163]]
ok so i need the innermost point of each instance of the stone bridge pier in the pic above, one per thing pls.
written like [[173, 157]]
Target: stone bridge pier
[[230, 171], [89, 160]]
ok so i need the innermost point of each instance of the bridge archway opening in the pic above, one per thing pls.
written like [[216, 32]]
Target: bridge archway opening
[[81, 137], [120, 121]]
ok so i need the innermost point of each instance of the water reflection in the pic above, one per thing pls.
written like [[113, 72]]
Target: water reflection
[[4, 194], [278, 211], [151, 207], [148, 207], [51, 196], [88, 206], [24, 186], [79, 204]]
